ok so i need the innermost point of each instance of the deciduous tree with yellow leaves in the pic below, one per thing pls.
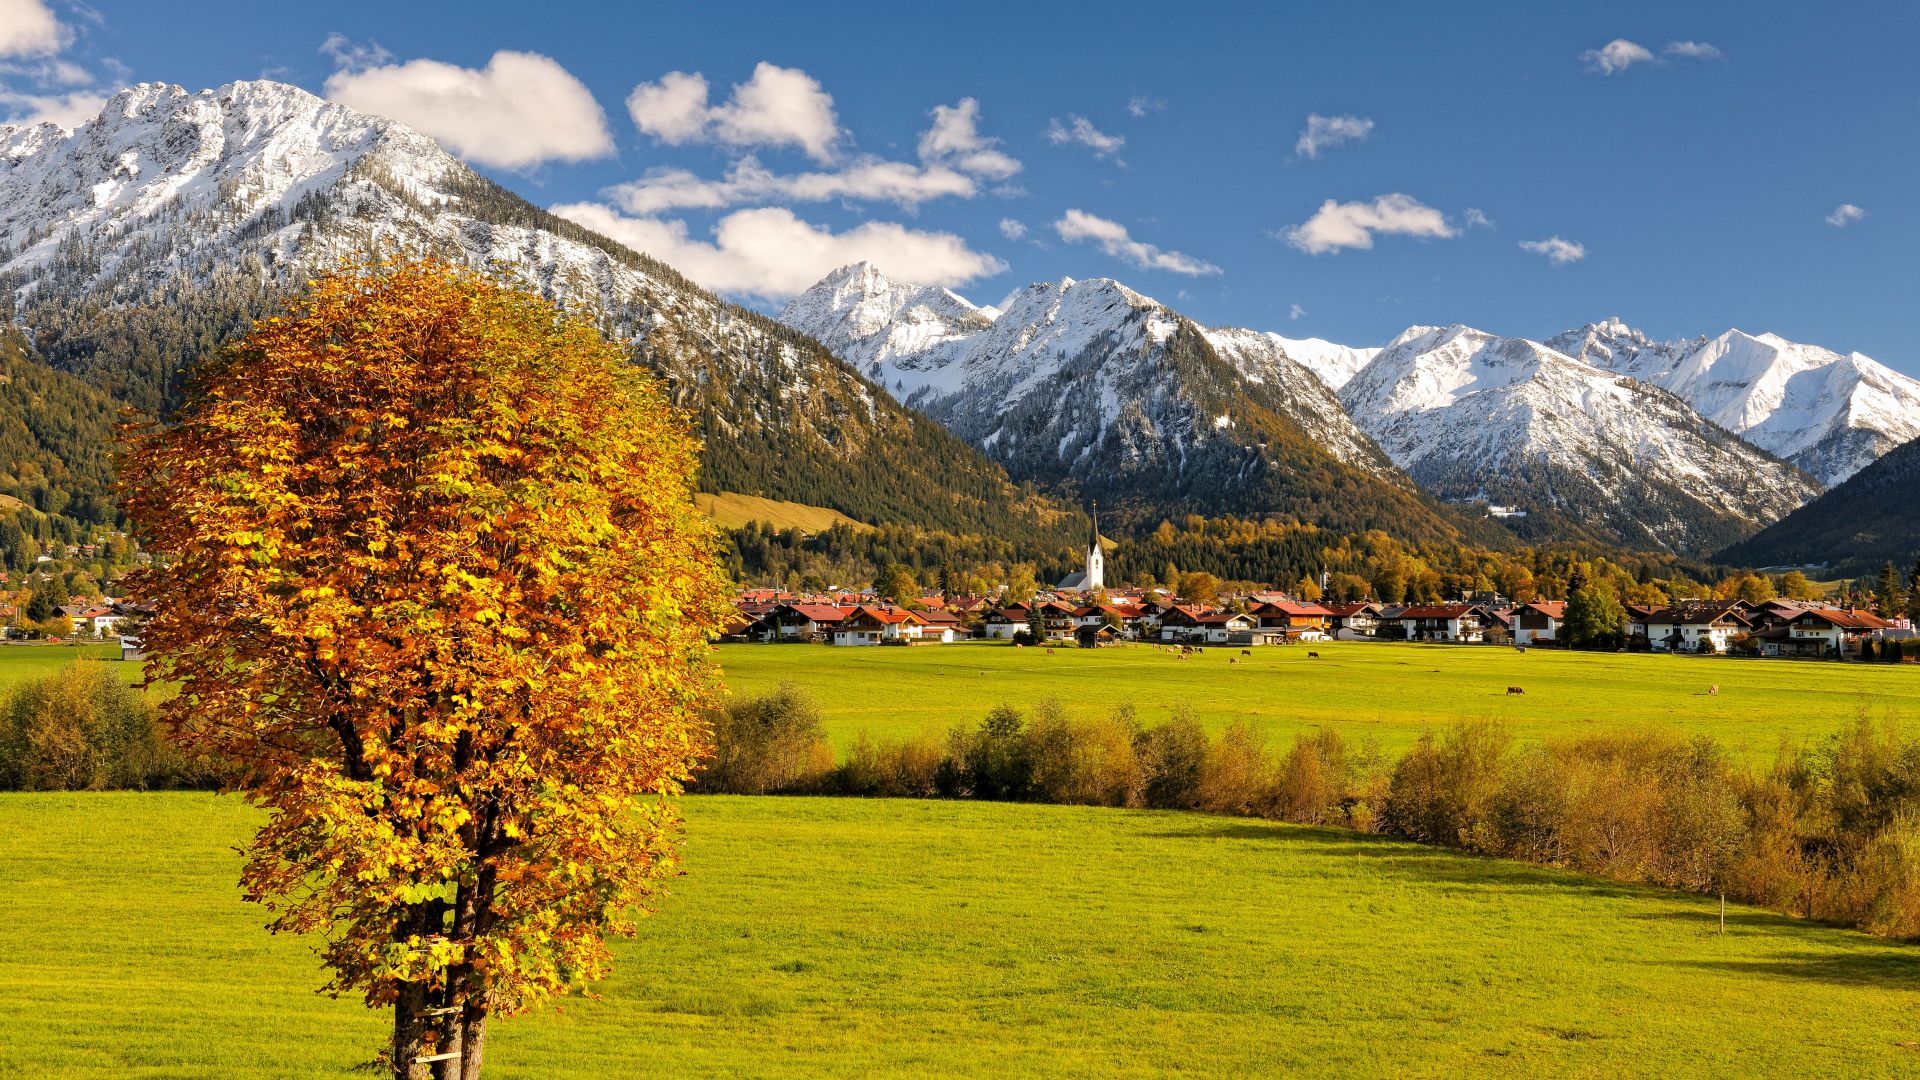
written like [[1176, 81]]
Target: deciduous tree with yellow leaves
[[434, 586]]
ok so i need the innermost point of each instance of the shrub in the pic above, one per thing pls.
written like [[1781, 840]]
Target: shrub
[[83, 729], [1444, 792], [1236, 777], [1173, 760], [775, 742]]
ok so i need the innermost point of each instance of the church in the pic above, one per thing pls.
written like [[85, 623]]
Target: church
[[1094, 577]]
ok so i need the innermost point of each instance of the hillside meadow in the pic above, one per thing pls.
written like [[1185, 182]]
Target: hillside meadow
[[846, 937], [1384, 691]]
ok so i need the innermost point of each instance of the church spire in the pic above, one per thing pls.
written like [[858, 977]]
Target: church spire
[[1093, 541]]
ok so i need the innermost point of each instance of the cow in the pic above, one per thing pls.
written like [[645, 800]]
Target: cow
[[1233, 659], [1049, 652], [1246, 652], [1511, 690], [1714, 690], [1313, 656]]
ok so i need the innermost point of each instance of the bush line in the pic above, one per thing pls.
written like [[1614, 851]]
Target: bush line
[[1830, 832]]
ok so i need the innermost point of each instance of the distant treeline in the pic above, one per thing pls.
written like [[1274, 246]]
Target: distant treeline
[[1830, 832]]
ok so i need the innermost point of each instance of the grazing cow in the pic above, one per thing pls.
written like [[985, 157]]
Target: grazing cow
[[1516, 690], [1714, 690], [1246, 652], [1049, 652], [1313, 656], [1233, 659]]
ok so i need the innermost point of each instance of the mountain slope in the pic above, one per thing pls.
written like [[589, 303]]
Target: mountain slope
[[1852, 530], [1587, 453], [56, 439], [1830, 414], [1092, 386], [156, 232]]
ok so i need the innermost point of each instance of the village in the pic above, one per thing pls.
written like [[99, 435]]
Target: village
[[1081, 611]]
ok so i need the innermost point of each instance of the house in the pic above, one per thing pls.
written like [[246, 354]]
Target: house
[[1002, 624], [1815, 631], [1182, 623], [1443, 622], [1704, 626], [1538, 621], [93, 620], [1356, 619], [802, 622], [944, 627], [1295, 620], [873, 624], [1057, 616], [1637, 616], [1227, 628], [1124, 618]]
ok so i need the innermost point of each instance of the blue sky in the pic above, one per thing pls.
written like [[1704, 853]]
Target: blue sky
[[1695, 188]]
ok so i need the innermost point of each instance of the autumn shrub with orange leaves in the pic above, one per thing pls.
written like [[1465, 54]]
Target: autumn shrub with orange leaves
[[432, 584]]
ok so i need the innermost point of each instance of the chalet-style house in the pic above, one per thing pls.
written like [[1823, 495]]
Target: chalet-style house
[[1443, 622], [1703, 626], [802, 622], [872, 624], [1228, 628], [1815, 631], [1357, 619], [1295, 621], [1538, 621], [1002, 624]]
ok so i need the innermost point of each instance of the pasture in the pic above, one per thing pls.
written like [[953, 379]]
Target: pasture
[[1387, 692], [858, 938], [31, 660]]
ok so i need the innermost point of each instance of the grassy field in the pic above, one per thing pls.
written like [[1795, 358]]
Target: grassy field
[[730, 510], [26, 660], [858, 938], [1387, 691]]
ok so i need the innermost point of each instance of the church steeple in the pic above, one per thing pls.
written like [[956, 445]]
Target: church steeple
[[1096, 558]]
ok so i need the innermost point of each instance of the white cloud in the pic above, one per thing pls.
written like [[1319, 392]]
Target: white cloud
[[1295, 312], [1139, 105], [350, 55], [1324, 132], [1693, 50], [1478, 219], [1844, 215], [1079, 131], [772, 254], [1616, 56], [1338, 225], [1558, 252], [954, 140], [518, 111], [1112, 238], [747, 181], [29, 28], [1011, 229], [66, 110], [776, 107]]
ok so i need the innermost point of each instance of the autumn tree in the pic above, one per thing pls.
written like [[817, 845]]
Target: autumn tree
[[897, 584], [434, 586], [1594, 618]]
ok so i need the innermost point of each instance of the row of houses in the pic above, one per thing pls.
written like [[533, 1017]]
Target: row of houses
[[1784, 628]]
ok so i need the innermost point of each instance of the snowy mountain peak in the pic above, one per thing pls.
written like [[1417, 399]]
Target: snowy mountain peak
[[1829, 413], [1475, 416]]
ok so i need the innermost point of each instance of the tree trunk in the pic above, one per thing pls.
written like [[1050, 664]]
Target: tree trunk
[[474, 1045], [410, 1033]]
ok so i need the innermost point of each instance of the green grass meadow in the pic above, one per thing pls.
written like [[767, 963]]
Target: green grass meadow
[[31, 660], [851, 938], [1389, 692]]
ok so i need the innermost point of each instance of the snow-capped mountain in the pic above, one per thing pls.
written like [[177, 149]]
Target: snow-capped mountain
[[1829, 413], [1473, 416], [151, 234], [1335, 364], [1091, 383]]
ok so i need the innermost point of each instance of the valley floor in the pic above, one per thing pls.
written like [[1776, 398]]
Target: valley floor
[[1384, 691], [858, 938]]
